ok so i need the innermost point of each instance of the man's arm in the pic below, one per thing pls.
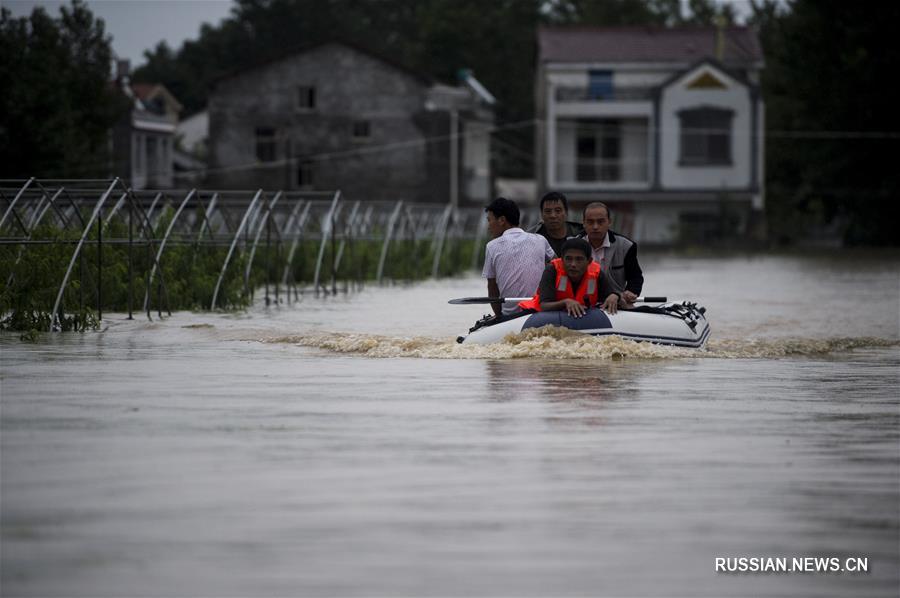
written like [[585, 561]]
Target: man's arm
[[549, 254], [548, 296], [494, 291], [491, 276], [572, 307], [634, 277], [608, 298]]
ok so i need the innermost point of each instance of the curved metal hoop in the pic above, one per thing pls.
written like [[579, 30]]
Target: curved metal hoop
[[162, 247], [54, 319], [392, 222], [237, 236], [329, 224]]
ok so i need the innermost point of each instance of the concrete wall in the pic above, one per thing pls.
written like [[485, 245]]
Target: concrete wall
[[193, 134], [694, 221], [350, 86], [476, 150]]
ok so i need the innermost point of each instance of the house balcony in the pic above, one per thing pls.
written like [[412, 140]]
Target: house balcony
[[616, 102], [596, 173], [613, 94], [610, 153]]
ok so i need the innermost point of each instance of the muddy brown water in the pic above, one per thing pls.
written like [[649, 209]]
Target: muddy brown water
[[348, 446]]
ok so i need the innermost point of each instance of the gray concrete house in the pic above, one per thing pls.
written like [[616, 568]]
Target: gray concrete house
[[338, 116], [665, 125]]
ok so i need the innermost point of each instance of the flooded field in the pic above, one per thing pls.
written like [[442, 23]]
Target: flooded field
[[348, 446]]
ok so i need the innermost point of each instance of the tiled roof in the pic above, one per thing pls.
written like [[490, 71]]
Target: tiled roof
[[646, 44], [142, 91], [288, 52], [147, 93]]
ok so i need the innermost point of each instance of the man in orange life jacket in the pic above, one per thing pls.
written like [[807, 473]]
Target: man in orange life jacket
[[574, 283]]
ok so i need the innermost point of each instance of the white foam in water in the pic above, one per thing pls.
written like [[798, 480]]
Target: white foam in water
[[559, 343]]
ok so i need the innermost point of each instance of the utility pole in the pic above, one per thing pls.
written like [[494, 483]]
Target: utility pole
[[454, 157]]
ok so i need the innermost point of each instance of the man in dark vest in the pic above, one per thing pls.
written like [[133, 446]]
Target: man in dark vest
[[554, 225], [616, 253]]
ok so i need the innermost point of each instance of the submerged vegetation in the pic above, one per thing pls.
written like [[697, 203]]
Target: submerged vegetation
[[111, 274]]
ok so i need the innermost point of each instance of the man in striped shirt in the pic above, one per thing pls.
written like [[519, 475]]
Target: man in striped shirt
[[514, 260]]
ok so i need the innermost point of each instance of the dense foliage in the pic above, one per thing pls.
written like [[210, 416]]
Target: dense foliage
[[57, 104], [833, 124]]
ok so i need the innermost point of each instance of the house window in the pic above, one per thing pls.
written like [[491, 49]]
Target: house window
[[156, 105], [705, 136], [266, 144], [306, 97], [152, 158], [610, 151], [362, 130], [600, 85], [586, 157], [305, 175], [598, 150]]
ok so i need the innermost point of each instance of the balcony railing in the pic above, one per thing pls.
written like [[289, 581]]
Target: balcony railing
[[617, 94], [596, 170]]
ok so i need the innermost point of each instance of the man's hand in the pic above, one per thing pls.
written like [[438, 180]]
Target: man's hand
[[573, 308], [611, 303], [494, 291], [629, 297]]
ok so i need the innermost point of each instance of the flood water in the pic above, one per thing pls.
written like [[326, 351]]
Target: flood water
[[348, 446]]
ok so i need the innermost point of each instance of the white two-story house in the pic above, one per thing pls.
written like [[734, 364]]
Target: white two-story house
[[665, 125], [143, 140]]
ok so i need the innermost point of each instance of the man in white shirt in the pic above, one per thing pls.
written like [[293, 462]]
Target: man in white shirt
[[514, 261]]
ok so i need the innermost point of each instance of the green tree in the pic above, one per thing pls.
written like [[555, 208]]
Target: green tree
[[57, 105], [610, 12], [832, 120]]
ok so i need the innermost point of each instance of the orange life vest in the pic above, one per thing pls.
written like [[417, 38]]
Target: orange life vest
[[588, 289]]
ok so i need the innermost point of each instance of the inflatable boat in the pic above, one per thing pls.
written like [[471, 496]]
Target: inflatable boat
[[680, 324]]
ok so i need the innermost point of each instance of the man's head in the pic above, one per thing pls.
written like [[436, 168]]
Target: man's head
[[502, 214], [576, 256], [596, 222], [554, 211]]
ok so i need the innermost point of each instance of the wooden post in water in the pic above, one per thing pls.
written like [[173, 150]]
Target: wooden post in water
[[268, 238], [130, 255], [159, 297], [80, 283], [100, 265], [333, 257], [147, 275], [277, 261]]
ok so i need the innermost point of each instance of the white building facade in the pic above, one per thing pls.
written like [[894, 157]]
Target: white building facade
[[143, 141], [663, 125]]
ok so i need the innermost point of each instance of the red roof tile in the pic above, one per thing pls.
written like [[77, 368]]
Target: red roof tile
[[143, 90]]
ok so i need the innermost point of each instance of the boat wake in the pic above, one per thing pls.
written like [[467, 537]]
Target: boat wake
[[560, 343]]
